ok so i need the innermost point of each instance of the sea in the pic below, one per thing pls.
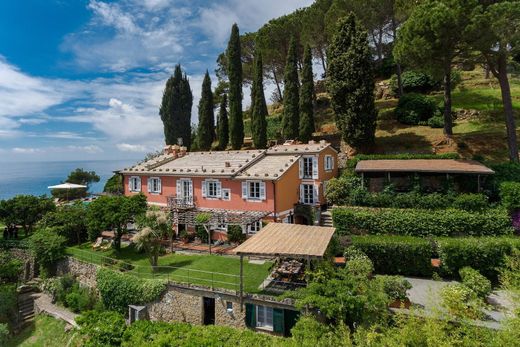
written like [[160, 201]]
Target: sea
[[33, 178]]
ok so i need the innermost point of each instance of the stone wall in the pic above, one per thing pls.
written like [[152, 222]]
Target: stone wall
[[85, 273], [29, 270]]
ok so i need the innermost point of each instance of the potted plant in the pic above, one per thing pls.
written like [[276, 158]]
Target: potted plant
[[395, 287]]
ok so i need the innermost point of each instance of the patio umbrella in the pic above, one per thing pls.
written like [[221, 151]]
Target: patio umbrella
[[67, 186]]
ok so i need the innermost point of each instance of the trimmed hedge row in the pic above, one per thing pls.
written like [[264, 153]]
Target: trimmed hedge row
[[485, 254], [397, 255], [413, 222], [411, 256]]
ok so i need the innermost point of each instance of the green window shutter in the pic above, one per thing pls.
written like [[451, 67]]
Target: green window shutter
[[250, 316], [290, 318], [278, 325]]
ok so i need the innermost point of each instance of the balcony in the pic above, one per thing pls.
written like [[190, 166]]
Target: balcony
[[180, 202]]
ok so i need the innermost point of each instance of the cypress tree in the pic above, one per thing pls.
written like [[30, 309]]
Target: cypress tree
[[350, 83], [223, 126], [206, 130], [236, 123], [307, 95], [175, 109], [259, 108], [291, 95]]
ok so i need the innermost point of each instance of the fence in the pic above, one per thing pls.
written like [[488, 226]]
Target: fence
[[169, 273]]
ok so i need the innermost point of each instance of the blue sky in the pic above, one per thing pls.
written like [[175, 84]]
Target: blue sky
[[83, 79]]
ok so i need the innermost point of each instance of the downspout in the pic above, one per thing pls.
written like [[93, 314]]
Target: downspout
[[274, 203]]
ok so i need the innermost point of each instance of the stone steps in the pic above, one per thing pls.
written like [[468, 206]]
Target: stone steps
[[26, 312], [326, 219]]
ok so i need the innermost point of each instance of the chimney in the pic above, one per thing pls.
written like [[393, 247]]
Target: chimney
[[171, 150], [312, 142], [182, 151]]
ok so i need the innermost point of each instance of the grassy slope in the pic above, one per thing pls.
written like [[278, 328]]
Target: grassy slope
[[45, 332], [182, 268]]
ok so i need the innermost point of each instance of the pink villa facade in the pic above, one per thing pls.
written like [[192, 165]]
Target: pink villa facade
[[273, 181]]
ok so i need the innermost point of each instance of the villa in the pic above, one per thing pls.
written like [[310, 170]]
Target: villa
[[284, 183]]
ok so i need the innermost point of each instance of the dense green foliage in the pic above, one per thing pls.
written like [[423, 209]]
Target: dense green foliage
[[414, 109], [397, 255], [114, 185], [395, 287], [118, 290], [47, 247], [223, 124], [291, 94], [175, 110], [25, 210], [69, 221], [102, 328], [414, 82], [510, 195], [234, 73], [307, 96], [8, 304], [472, 279], [461, 302], [78, 176], [258, 106], [9, 268], [416, 222], [67, 291], [206, 127], [114, 213], [484, 254], [350, 83], [153, 227]]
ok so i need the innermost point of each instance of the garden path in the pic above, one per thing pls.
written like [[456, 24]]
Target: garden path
[[44, 304]]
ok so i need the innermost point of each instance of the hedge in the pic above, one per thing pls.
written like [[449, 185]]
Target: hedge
[[119, 290], [485, 254], [397, 255], [414, 222]]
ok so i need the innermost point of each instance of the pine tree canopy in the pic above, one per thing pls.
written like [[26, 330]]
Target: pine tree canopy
[[236, 123], [175, 109], [206, 128], [291, 95], [259, 107], [350, 83], [223, 125], [307, 97]]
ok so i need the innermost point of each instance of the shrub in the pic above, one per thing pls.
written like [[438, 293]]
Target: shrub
[[436, 122], [471, 202], [484, 254], [461, 302], [103, 328], [80, 299], [118, 290], [413, 222], [8, 303], [309, 332], [510, 195], [397, 255], [472, 279], [4, 334], [415, 108], [414, 82], [202, 234], [47, 248], [395, 287], [360, 267], [235, 234], [9, 268]]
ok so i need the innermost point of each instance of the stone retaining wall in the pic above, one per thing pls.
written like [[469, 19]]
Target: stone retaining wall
[[29, 270], [85, 273]]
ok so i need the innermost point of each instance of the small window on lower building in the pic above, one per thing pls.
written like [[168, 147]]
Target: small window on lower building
[[255, 227], [229, 306], [264, 317], [226, 194]]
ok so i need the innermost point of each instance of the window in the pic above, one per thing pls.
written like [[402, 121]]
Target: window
[[255, 227], [154, 185], [264, 317], [221, 227], [253, 190], [329, 163], [135, 184], [229, 306], [211, 189], [309, 167], [185, 189], [226, 194], [307, 194]]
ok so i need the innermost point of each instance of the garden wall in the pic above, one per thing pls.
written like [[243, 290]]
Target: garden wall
[[84, 272], [29, 270]]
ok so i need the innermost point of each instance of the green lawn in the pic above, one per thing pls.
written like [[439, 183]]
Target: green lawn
[[45, 332], [209, 270]]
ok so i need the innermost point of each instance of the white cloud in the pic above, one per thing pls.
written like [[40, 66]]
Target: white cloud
[[90, 149], [32, 121], [26, 150], [127, 147]]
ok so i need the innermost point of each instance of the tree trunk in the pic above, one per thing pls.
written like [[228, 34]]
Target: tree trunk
[[399, 73], [448, 124], [323, 61], [486, 69], [280, 96], [117, 240], [508, 107]]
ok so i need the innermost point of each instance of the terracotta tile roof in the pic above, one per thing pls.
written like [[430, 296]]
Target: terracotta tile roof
[[289, 240], [270, 167], [454, 166]]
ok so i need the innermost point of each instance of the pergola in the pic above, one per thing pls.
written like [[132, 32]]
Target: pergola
[[285, 240]]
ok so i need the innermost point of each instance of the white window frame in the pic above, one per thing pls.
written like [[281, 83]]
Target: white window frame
[[255, 227], [226, 194], [309, 167], [179, 191], [206, 189], [304, 194], [246, 190], [151, 182], [329, 163], [134, 184], [264, 317]]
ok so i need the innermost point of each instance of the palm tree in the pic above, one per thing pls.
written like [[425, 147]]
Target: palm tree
[[154, 225]]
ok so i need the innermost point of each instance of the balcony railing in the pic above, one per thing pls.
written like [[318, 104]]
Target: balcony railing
[[180, 202]]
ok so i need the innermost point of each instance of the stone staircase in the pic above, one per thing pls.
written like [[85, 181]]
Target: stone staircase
[[26, 295], [326, 219]]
